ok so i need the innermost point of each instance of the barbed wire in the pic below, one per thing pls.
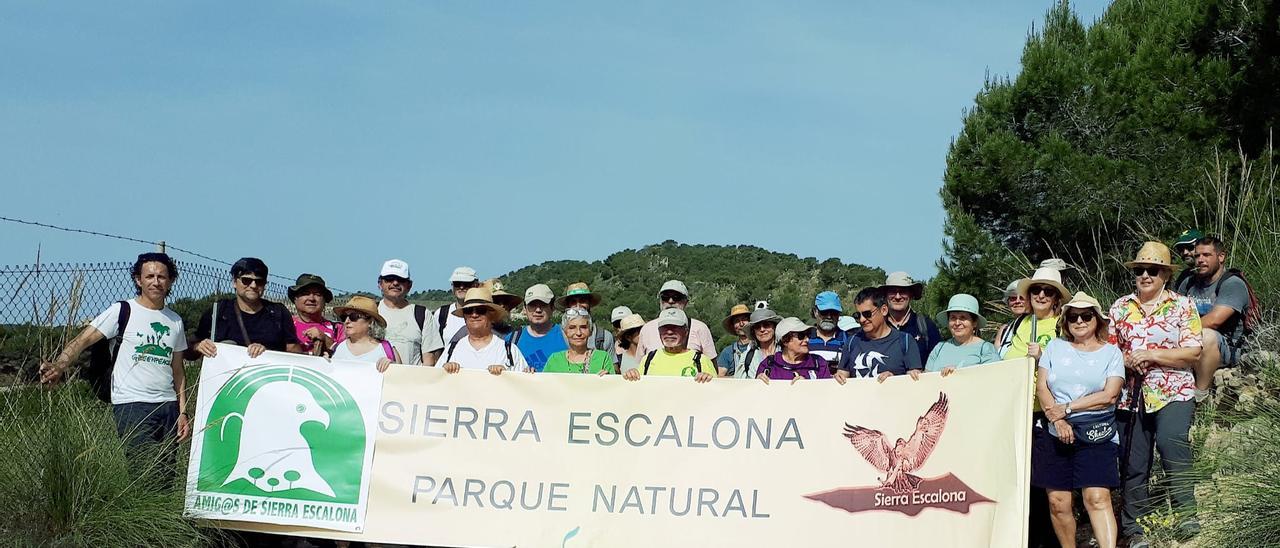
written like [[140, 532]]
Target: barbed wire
[[166, 244]]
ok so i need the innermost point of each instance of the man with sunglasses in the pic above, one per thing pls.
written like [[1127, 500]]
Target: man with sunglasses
[[674, 294], [463, 278], [411, 328], [878, 350], [248, 319]]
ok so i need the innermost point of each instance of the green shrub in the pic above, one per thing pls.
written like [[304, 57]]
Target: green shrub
[[65, 479]]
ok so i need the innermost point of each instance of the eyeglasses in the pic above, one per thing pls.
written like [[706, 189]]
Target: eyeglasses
[[354, 317], [865, 314], [1085, 317], [475, 311], [576, 313], [1149, 270], [672, 297], [248, 280], [1046, 290], [1016, 298]]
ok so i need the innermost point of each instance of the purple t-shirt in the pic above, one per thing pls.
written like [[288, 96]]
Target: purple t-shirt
[[778, 369]]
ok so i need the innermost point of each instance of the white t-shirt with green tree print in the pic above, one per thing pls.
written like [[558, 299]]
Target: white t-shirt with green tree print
[[142, 371]]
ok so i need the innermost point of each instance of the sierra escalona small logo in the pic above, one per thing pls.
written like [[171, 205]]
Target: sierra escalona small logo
[[901, 489]]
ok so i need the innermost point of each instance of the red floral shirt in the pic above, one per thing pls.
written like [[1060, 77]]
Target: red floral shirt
[[1174, 323]]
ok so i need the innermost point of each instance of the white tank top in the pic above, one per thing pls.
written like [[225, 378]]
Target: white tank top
[[343, 352]]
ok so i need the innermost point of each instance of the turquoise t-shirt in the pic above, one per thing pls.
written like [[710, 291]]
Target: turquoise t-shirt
[[537, 350], [948, 353]]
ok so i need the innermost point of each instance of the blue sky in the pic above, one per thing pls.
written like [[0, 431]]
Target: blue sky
[[326, 137]]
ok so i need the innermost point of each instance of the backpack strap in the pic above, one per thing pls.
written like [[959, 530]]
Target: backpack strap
[[599, 337], [122, 323], [511, 362], [442, 318], [515, 336], [921, 325], [746, 361], [388, 350], [448, 354], [697, 361], [420, 315], [906, 344], [648, 359]]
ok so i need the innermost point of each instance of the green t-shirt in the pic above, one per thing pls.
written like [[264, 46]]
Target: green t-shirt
[[598, 361]]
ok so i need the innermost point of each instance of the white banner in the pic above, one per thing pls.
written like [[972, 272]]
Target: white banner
[[284, 439]]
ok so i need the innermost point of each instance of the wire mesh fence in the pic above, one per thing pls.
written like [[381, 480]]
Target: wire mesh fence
[[70, 293]]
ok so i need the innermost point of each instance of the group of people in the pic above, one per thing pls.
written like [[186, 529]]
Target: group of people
[[1114, 385]]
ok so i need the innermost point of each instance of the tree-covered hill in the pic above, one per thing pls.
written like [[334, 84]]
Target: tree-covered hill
[[717, 276]]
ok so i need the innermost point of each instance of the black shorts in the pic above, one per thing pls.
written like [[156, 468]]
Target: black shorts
[[1061, 467]]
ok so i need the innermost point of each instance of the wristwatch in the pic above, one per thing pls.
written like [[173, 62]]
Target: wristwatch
[[1068, 408]]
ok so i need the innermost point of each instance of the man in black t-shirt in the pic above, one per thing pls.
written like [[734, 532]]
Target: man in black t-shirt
[[247, 320]]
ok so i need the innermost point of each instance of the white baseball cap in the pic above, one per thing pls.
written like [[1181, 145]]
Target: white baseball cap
[[674, 285], [395, 267], [464, 274], [619, 313], [540, 293], [672, 316]]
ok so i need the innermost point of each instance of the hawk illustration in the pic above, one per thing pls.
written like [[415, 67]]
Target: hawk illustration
[[905, 456]]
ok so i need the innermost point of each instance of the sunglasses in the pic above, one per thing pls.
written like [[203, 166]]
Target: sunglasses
[[672, 297], [865, 314], [354, 317], [475, 311], [1046, 290], [394, 280], [1016, 298], [1081, 317], [247, 280], [576, 313], [464, 285], [1139, 271]]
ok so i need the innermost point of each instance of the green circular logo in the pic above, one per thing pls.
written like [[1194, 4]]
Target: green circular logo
[[284, 432]]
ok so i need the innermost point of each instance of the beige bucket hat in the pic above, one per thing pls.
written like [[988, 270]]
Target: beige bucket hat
[[902, 279]]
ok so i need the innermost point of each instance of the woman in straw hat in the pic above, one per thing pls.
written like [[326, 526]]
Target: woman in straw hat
[[363, 326], [965, 348], [1045, 294], [763, 343], [1159, 333], [735, 324], [580, 357], [1079, 381], [793, 361], [482, 348], [629, 342]]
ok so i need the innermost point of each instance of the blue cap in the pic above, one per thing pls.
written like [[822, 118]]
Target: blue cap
[[828, 300]]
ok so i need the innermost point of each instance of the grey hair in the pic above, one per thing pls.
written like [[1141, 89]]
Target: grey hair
[[570, 314]]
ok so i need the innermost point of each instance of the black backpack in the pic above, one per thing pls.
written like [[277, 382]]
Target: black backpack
[[102, 357]]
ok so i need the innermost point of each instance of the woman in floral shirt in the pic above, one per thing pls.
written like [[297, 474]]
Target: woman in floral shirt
[[1159, 333]]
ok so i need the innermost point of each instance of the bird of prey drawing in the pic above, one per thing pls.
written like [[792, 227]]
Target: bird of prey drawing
[[905, 456]]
